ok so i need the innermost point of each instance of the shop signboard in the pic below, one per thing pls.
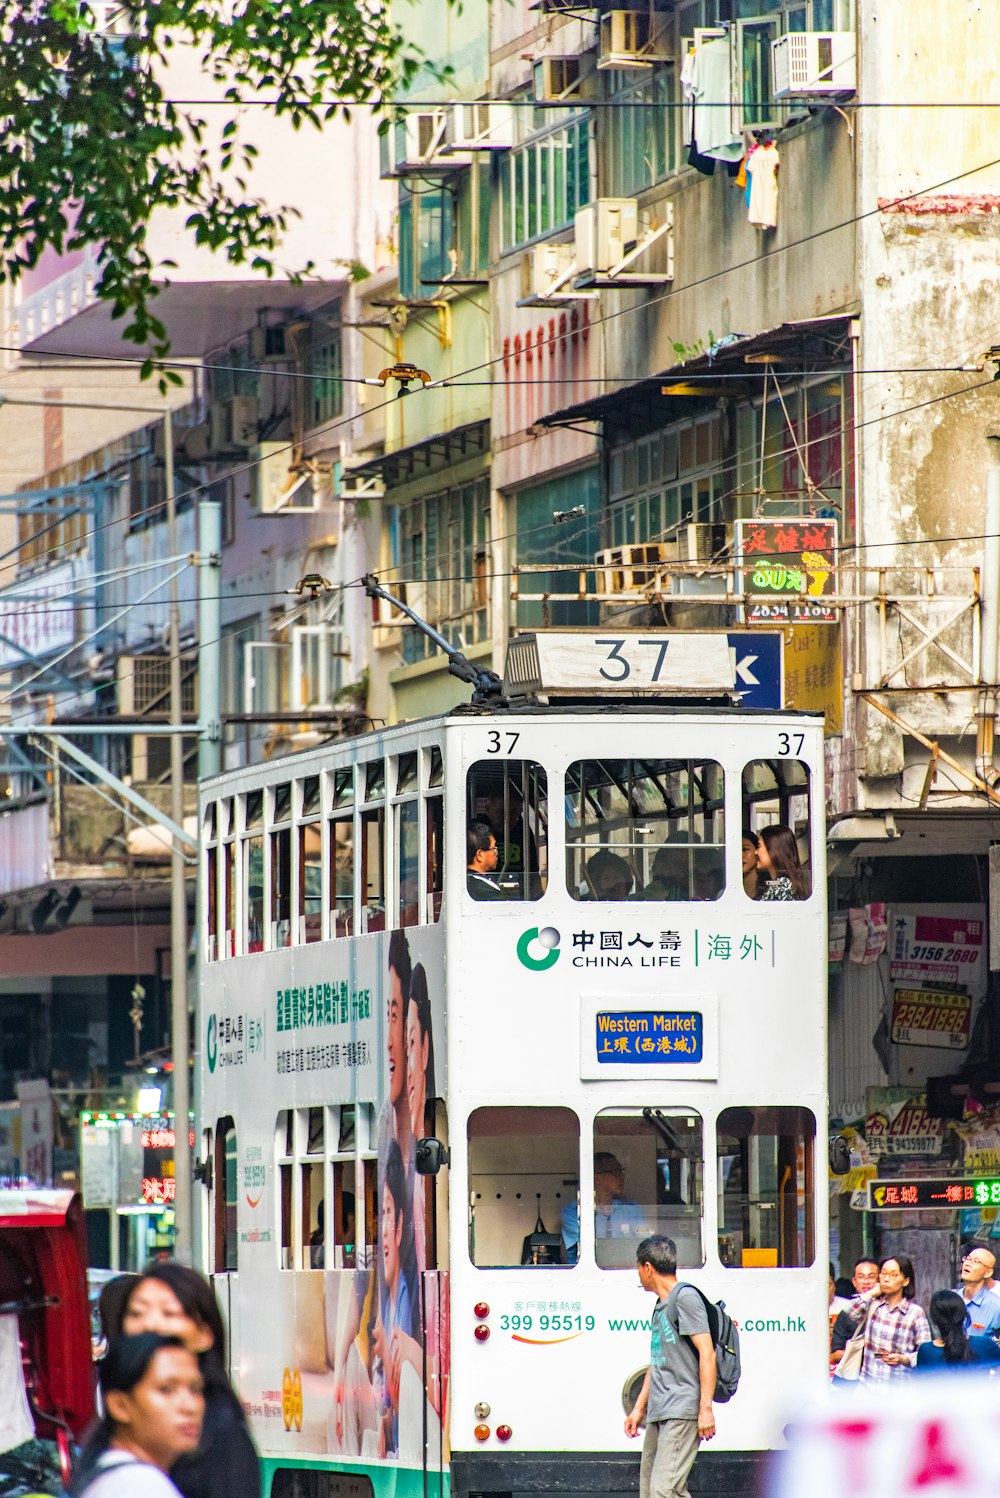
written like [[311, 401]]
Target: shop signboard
[[897, 1123], [790, 565], [929, 1016], [935, 945], [923, 1193]]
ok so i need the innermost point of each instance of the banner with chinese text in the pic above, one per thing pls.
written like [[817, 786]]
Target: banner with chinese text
[[793, 562]]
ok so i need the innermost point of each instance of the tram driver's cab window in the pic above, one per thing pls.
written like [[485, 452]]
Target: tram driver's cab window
[[645, 829], [507, 830], [767, 1187], [647, 1179], [776, 828], [524, 1169]]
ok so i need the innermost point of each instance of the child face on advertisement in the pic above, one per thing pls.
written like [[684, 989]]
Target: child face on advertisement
[[392, 1235]]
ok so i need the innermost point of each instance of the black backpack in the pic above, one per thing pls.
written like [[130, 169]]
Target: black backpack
[[725, 1340]]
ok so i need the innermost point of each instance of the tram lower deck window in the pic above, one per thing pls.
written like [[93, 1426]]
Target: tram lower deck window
[[645, 829], [647, 1179], [524, 1168], [767, 1187]]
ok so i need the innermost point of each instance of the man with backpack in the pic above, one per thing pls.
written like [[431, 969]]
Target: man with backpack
[[680, 1383]]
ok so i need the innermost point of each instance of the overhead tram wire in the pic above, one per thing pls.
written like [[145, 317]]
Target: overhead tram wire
[[604, 318]]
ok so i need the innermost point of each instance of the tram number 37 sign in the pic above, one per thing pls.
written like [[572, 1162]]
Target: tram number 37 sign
[[926, 1016]]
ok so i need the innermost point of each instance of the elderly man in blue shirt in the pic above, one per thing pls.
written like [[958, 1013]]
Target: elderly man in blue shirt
[[614, 1215], [982, 1304]]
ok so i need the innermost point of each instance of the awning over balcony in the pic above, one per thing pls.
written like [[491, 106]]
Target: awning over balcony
[[199, 316], [432, 455], [818, 344]]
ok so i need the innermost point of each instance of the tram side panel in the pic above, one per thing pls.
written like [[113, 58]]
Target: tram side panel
[[285, 1034]]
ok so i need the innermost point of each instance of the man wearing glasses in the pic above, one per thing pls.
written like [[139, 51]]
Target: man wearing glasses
[[981, 1303]]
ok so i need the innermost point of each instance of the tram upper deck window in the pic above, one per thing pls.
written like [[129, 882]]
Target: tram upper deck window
[[507, 804], [211, 866], [253, 871], [645, 829], [341, 842], [524, 1166], [310, 907], [766, 1188], [281, 869], [776, 828], [647, 1179]]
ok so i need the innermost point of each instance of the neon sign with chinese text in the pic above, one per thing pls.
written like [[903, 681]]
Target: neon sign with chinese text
[[914, 1195]]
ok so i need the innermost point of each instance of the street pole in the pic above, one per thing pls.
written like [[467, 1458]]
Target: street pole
[[209, 641], [183, 1246]]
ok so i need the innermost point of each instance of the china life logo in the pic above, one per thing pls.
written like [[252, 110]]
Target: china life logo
[[538, 950], [212, 1042]]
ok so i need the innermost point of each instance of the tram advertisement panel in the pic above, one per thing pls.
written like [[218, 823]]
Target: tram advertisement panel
[[337, 1350]]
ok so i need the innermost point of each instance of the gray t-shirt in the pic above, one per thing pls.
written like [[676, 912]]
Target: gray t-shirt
[[674, 1379]]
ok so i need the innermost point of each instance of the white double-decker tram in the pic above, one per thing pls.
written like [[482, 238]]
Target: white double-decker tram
[[444, 1091]]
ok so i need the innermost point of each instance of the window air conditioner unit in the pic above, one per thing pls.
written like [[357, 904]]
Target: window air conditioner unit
[[232, 424], [555, 78], [278, 488], [604, 230], [634, 39], [543, 266], [705, 541], [629, 569], [480, 127], [196, 443], [814, 65], [414, 144], [270, 344]]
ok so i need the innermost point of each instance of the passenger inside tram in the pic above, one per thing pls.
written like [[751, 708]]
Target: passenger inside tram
[[751, 873], [609, 877], [778, 862], [482, 855]]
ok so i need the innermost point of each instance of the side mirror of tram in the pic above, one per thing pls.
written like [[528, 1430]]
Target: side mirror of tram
[[840, 1156], [431, 1155]]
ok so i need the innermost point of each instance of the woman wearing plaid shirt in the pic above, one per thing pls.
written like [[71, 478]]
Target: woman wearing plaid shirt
[[896, 1324]]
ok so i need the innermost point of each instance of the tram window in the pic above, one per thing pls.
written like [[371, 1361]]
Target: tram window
[[406, 774], [226, 1197], [647, 1179], [229, 898], [281, 887], [435, 775], [524, 1165], [512, 800], [776, 810], [299, 1482], [282, 803], [255, 810], [343, 788], [766, 1187], [284, 1149], [373, 869], [407, 862], [645, 829], [342, 876], [375, 780], [211, 821], [212, 901], [253, 883], [345, 1235], [310, 796], [313, 1214], [435, 856], [310, 882]]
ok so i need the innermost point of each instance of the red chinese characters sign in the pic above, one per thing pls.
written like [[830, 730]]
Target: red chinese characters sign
[[788, 568]]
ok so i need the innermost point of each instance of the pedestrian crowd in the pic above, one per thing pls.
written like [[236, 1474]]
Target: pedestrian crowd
[[170, 1424], [881, 1334]]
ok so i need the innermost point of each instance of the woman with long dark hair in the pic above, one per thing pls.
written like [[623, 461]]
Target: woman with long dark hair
[[778, 862], [151, 1390], [896, 1326], [176, 1301], [950, 1347]]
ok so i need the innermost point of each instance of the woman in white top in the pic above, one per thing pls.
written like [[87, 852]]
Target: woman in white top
[[153, 1406]]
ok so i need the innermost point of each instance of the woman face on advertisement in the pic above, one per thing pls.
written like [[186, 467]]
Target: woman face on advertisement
[[417, 1047]]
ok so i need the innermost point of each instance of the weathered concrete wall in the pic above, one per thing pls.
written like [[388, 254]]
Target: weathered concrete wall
[[928, 268]]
